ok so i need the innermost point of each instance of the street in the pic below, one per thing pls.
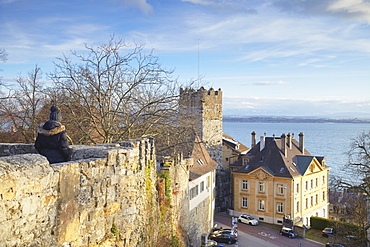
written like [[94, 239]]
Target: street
[[262, 236]]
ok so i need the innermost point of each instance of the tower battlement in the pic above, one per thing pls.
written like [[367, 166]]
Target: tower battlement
[[188, 93]]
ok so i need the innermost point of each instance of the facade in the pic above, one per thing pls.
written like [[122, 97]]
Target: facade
[[201, 187], [192, 178], [280, 179]]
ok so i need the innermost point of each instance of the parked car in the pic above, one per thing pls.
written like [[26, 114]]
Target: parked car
[[327, 231], [223, 238], [227, 230], [212, 243], [247, 219], [334, 245], [285, 231]]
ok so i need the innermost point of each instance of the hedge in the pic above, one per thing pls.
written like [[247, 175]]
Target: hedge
[[341, 227]]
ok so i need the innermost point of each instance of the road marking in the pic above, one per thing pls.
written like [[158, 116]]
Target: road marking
[[268, 235]]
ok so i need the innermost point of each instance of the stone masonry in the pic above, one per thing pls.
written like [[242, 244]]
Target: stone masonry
[[203, 109], [104, 197]]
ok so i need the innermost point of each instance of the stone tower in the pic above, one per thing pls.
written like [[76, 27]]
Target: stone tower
[[202, 109]]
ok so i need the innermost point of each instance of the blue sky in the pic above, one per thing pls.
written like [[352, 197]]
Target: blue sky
[[269, 57]]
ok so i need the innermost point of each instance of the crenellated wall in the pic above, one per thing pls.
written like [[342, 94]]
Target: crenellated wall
[[106, 196]]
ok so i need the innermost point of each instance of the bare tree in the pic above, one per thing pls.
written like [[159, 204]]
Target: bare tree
[[358, 181], [358, 166], [3, 55], [19, 111], [3, 58], [114, 96]]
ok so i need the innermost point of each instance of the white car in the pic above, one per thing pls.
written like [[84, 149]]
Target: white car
[[247, 219]]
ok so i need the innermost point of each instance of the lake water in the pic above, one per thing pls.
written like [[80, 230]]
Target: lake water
[[329, 140]]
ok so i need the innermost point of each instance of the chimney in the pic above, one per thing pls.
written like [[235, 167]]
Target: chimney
[[283, 145], [253, 139], [262, 143], [289, 140], [301, 142]]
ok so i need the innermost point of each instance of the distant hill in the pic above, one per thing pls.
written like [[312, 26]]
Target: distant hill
[[263, 119]]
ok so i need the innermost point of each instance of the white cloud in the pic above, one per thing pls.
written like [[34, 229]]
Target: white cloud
[[359, 9], [295, 106], [145, 7], [201, 2], [7, 1], [266, 83]]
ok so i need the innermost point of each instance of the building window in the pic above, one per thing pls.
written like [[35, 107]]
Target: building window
[[317, 182], [306, 185], [280, 207], [261, 187], [201, 186], [311, 184], [244, 202], [280, 189], [323, 195], [261, 205], [323, 179], [311, 201], [193, 192], [297, 187], [244, 184], [306, 203], [297, 207], [317, 199]]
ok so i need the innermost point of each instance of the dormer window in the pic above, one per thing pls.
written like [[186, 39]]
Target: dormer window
[[200, 162]]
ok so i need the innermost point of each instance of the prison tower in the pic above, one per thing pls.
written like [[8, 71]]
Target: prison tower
[[202, 109]]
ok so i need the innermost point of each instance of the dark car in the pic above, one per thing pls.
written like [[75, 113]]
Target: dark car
[[232, 232], [212, 243], [285, 231], [223, 238], [334, 245], [327, 231]]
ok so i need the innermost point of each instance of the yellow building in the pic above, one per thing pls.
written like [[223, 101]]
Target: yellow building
[[280, 178]]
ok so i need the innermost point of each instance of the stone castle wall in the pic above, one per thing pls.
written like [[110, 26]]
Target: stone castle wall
[[106, 195], [193, 222]]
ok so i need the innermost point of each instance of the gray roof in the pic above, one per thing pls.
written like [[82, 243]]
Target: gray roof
[[272, 159]]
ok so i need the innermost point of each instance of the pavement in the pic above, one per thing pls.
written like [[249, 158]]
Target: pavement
[[261, 235]]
